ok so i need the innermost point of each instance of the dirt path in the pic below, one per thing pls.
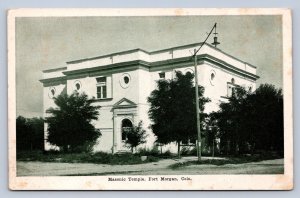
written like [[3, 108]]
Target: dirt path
[[161, 167]]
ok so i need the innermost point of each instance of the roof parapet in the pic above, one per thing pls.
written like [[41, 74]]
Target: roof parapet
[[140, 56]]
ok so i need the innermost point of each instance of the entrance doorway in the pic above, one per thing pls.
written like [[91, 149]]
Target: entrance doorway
[[125, 129]]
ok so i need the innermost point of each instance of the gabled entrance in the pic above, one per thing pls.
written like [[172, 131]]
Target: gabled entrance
[[125, 115]]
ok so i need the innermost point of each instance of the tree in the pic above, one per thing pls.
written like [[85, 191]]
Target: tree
[[22, 133], [231, 121], [172, 109], [29, 133], [249, 122], [136, 136], [212, 133], [268, 130], [69, 124]]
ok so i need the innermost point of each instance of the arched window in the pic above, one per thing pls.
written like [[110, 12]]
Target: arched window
[[126, 128], [232, 81], [189, 73]]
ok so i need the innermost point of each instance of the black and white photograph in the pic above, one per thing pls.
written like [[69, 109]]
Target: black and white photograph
[[150, 99]]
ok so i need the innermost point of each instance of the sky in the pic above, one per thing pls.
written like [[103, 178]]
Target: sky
[[49, 42]]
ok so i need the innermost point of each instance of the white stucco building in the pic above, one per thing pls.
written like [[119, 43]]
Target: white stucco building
[[122, 81]]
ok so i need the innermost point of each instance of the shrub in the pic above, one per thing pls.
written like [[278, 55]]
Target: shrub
[[149, 152], [97, 158], [136, 136], [167, 154]]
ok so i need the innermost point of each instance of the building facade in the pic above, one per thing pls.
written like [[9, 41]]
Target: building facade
[[121, 82]]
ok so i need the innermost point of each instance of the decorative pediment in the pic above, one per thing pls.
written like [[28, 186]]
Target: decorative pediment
[[124, 103]]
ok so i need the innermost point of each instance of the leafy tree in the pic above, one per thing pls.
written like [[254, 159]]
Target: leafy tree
[[22, 133], [69, 124], [251, 122], [211, 133], [136, 136], [172, 109], [29, 133], [231, 121], [268, 109]]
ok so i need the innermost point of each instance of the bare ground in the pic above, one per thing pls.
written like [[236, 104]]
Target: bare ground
[[155, 168]]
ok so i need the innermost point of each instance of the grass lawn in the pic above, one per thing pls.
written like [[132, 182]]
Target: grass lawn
[[224, 161], [40, 163]]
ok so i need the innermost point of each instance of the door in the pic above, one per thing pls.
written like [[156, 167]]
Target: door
[[125, 129]]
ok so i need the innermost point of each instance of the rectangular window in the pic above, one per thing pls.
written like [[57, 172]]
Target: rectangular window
[[101, 87], [185, 142], [98, 92], [233, 91], [229, 90], [192, 141], [101, 80], [189, 141], [104, 91], [162, 75]]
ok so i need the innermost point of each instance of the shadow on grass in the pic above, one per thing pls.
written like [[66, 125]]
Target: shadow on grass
[[220, 162]]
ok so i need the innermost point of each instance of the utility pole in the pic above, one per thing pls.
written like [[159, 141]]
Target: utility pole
[[215, 43], [197, 108]]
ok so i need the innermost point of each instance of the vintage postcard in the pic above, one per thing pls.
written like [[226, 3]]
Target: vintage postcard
[[150, 99]]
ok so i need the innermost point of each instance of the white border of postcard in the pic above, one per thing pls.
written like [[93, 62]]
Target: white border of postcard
[[198, 182]]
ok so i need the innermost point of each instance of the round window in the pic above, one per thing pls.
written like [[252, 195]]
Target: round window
[[125, 80], [77, 85], [52, 92], [250, 88], [212, 77]]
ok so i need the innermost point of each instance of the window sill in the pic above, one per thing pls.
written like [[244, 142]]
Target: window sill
[[101, 99]]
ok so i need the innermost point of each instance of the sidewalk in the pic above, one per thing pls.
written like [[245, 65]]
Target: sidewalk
[[161, 167]]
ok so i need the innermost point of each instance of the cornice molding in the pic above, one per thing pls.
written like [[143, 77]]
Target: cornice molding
[[154, 66], [109, 67], [61, 79]]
